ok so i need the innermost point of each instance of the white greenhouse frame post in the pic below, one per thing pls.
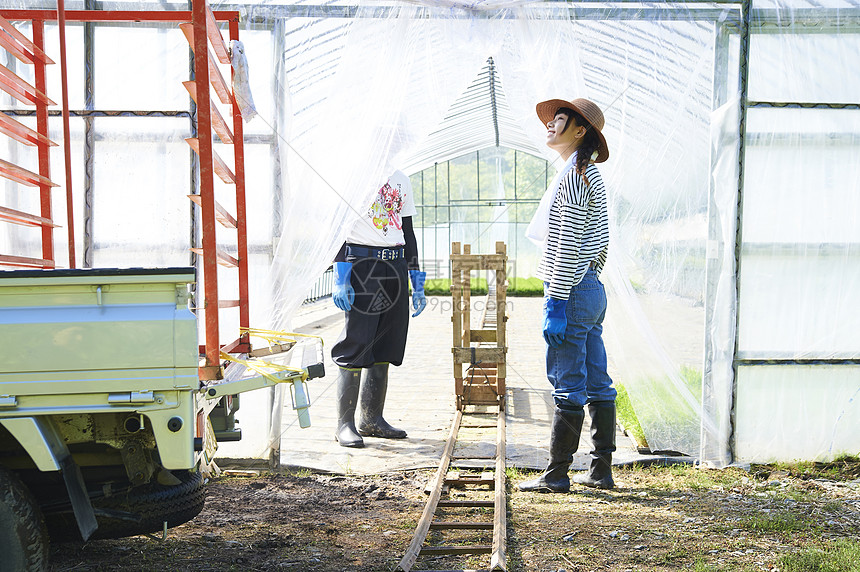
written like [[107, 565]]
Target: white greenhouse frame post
[[717, 372]]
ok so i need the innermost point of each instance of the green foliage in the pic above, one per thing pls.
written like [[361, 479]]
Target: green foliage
[[525, 287], [533, 174], [693, 378], [516, 473], [437, 287], [678, 553], [702, 479], [842, 555], [442, 287], [627, 417], [702, 566], [660, 390], [638, 287], [516, 287], [695, 478]]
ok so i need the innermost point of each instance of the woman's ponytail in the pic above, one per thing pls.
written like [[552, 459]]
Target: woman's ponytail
[[586, 149]]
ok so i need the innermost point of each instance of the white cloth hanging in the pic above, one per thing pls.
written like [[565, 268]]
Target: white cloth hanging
[[241, 83], [538, 228]]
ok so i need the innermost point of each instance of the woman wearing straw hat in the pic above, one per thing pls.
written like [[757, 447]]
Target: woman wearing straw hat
[[571, 226]]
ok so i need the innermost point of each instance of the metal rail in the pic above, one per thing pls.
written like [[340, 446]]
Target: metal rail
[[472, 495]]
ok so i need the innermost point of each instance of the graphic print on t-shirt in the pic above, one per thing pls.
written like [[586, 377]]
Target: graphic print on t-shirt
[[385, 210]]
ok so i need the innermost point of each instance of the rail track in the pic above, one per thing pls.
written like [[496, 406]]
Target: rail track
[[465, 516]]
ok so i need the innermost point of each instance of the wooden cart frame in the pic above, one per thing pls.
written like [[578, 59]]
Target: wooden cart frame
[[479, 354]]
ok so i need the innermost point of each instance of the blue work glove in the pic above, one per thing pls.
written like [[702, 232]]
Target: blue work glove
[[343, 294], [554, 320], [419, 301]]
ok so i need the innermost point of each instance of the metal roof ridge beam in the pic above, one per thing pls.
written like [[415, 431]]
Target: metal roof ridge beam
[[491, 77]]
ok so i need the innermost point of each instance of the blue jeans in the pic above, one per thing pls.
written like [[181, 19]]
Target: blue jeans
[[577, 368]]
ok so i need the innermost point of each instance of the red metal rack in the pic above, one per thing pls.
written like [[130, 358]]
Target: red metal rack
[[200, 26], [29, 52], [203, 33]]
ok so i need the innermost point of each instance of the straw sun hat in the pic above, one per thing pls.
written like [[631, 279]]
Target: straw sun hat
[[546, 110]]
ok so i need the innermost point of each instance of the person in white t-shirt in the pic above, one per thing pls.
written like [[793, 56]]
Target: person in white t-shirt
[[371, 286]]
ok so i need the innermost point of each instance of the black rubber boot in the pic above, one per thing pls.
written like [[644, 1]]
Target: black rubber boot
[[563, 442], [348, 382], [599, 474], [372, 400]]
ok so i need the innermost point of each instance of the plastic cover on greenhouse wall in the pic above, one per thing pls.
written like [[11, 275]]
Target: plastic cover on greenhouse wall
[[798, 380], [654, 81], [669, 90], [343, 101]]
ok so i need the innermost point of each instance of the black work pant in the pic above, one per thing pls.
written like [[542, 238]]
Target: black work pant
[[376, 326]]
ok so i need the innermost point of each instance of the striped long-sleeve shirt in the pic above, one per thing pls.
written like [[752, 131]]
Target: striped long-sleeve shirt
[[578, 233]]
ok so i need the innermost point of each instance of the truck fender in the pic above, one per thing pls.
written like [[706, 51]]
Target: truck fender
[[43, 443], [39, 438]]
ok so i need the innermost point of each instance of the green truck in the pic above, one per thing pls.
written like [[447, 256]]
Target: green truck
[[104, 421]]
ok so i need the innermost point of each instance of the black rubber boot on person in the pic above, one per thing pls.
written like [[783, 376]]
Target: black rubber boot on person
[[563, 442], [599, 474], [347, 396], [372, 400]]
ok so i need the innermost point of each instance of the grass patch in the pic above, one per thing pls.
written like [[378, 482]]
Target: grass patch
[[702, 566], [795, 495], [677, 553], [833, 507], [674, 477], [840, 555], [843, 468], [781, 521], [513, 474], [655, 393], [299, 472], [627, 417]]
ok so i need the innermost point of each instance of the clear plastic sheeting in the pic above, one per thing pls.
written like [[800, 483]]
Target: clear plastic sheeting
[[733, 178], [653, 80], [798, 188], [809, 412], [720, 307]]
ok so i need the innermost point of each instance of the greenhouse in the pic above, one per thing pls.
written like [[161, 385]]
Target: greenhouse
[[733, 180]]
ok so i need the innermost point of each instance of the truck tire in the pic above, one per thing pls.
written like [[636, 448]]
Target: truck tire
[[139, 510], [22, 530]]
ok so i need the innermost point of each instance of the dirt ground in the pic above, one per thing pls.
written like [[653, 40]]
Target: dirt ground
[[658, 518]]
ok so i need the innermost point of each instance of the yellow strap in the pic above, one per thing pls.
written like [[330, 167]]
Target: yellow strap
[[259, 366], [273, 336]]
